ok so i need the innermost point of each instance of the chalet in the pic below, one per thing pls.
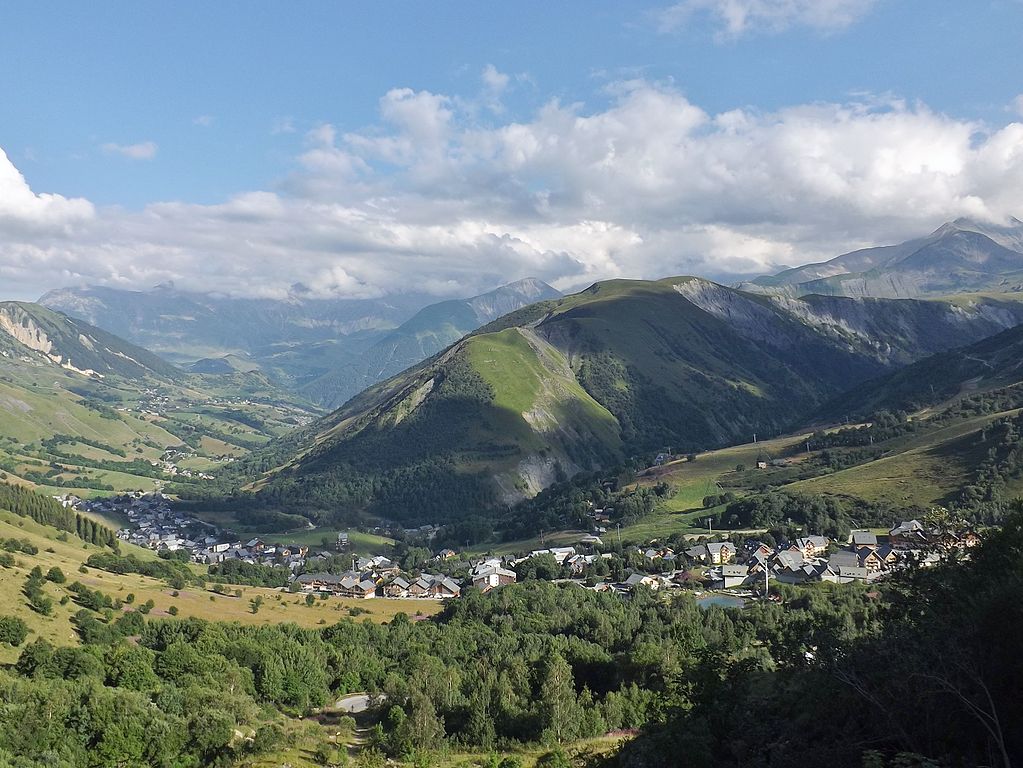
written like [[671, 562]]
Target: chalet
[[591, 541], [909, 534], [577, 564], [420, 587], [319, 582], [363, 590], [383, 566], [444, 588], [812, 546], [734, 575], [720, 552], [863, 539], [844, 574], [397, 587], [640, 580], [492, 578], [446, 554], [869, 559]]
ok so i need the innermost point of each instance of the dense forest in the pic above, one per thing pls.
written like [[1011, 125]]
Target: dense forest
[[922, 670], [43, 509]]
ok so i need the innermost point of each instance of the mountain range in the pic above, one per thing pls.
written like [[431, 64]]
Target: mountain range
[[323, 349], [619, 369], [962, 256]]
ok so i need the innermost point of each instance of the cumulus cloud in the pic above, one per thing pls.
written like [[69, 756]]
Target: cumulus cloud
[[203, 121], [647, 186], [144, 150], [23, 211], [735, 18]]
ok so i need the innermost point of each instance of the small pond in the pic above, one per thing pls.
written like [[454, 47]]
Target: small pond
[[725, 601]]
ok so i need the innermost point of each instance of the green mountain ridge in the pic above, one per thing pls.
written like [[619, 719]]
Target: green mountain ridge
[[619, 369]]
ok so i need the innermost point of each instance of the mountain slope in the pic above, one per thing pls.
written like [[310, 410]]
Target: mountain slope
[[991, 364], [960, 256], [624, 367], [81, 409], [74, 344], [424, 334], [325, 349]]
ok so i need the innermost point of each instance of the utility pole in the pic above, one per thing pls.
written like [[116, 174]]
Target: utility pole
[[619, 527], [767, 578], [754, 437], [710, 524]]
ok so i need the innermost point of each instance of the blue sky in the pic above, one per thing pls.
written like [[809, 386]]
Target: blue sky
[[145, 112]]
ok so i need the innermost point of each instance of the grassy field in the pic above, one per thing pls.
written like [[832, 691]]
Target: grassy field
[[922, 470], [359, 542], [70, 555]]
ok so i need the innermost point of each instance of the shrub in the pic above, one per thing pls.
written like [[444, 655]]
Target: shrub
[[13, 630]]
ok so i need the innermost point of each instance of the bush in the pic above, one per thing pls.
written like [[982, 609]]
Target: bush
[[13, 630], [56, 575]]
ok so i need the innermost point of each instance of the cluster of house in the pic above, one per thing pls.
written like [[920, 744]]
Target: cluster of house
[[813, 558], [380, 582], [154, 525]]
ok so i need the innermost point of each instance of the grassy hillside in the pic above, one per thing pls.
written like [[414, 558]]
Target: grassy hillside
[[69, 554], [85, 412]]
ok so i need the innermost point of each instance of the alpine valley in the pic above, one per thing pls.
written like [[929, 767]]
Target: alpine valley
[[726, 505]]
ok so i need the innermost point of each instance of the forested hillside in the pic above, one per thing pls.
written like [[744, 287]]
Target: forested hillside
[[919, 669]]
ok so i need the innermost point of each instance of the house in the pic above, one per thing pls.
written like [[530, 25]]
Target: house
[[863, 539], [734, 575], [492, 578], [641, 580], [446, 554], [342, 540], [869, 559], [720, 552], [812, 546], [444, 588], [591, 541], [909, 534], [761, 465], [397, 587]]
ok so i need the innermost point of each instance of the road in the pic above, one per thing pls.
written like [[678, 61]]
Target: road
[[354, 703]]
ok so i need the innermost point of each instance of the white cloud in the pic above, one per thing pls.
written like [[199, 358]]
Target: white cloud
[[144, 150], [647, 186], [203, 121], [735, 18], [1017, 105], [23, 211]]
